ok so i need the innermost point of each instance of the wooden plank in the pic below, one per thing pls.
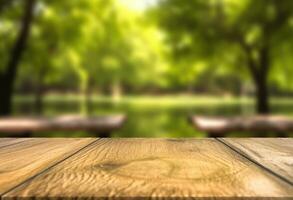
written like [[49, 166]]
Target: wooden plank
[[61, 123], [152, 169], [23, 160], [219, 125], [276, 154], [10, 141]]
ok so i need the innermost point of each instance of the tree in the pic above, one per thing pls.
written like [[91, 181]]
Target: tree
[[118, 51], [249, 30], [8, 75], [58, 29]]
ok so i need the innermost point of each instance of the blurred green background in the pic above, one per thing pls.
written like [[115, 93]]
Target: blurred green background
[[150, 116], [157, 61]]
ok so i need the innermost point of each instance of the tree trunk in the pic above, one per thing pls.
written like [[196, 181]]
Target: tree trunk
[[7, 77], [39, 104], [262, 81], [39, 89], [262, 95], [259, 70], [88, 99], [5, 96]]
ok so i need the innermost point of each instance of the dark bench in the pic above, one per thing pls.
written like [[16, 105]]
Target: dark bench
[[219, 126], [101, 126]]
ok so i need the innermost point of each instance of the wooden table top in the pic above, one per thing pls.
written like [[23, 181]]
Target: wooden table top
[[89, 168]]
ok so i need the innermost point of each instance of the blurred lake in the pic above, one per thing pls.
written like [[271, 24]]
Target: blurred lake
[[163, 116]]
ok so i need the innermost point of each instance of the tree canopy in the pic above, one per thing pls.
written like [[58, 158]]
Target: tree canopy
[[244, 34], [116, 46]]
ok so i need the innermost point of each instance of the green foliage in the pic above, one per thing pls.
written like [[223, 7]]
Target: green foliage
[[221, 31], [97, 43], [172, 45]]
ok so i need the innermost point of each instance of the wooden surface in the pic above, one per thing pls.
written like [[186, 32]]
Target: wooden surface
[[143, 169], [275, 154], [28, 157], [219, 125], [61, 123], [4, 142]]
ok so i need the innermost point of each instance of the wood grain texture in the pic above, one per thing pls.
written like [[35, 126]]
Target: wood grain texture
[[4, 142], [154, 169], [275, 154], [25, 159]]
